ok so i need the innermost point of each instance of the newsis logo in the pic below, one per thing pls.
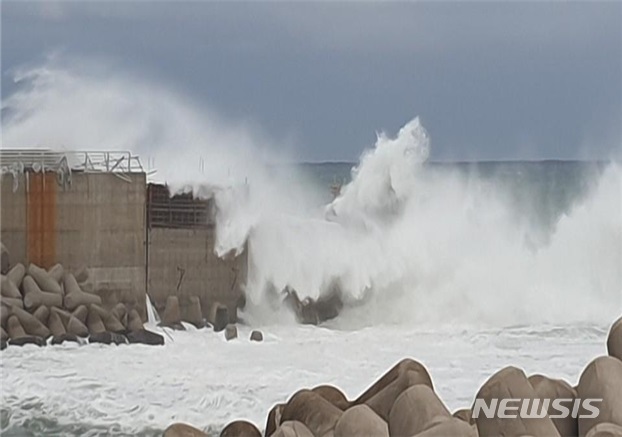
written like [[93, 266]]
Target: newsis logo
[[536, 408]]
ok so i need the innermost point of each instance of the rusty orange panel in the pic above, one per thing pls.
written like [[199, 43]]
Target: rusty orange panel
[[41, 212]]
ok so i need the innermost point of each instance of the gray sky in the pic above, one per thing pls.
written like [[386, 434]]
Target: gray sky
[[519, 80]]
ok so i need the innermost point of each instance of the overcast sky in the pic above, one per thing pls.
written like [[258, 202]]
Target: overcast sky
[[519, 80]]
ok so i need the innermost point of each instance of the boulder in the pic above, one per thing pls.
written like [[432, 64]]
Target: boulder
[[231, 332], [218, 316], [292, 428], [171, 318], [400, 368], [9, 289], [55, 324], [193, 312], [42, 314], [240, 428], [108, 337], [16, 274], [415, 409], [5, 262], [333, 395], [3, 345], [510, 383], [319, 415], [134, 323], [449, 427], [28, 339], [256, 336], [361, 420], [111, 323], [44, 280], [56, 273], [12, 302], [183, 430], [274, 419], [18, 336], [614, 340], [60, 339], [31, 325], [143, 336], [547, 388], [74, 296], [605, 429], [601, 379], [35, 297]]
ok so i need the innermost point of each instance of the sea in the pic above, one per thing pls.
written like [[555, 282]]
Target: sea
[[467, 268]]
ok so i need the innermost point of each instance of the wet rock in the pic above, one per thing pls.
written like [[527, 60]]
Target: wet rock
[[319, 415], [510, 383], [231, 332], [16, 274], [256, 336], [547, 388], [9, 289], [3, 345], [60, 339], [414, 409], [27, 339], [4, 336], [108, 337], [75, 297], [183, 430], [361, 420], [34, 297], [218, 316], [56, 272], [333, 395], [614, 340], [143, 336], [30, 323], [44, 280], [605, 429], [292, 428], [240, 428], [5, 261], [171, 318], [134, 323], [601, 379], [274, 419]]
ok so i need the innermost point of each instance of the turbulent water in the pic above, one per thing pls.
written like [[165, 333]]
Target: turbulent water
[[466, 267]]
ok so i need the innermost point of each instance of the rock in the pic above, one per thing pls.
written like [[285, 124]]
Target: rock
[[74, 296], [547, 388], [81, 313], [292, 428], [256, 336], [399, 369], [143, 336], [60, 339], [16, 274], [55, 325], [5, 262], [183, 430], [134, 323], [3, 345], [414, 410], [605, 429], [111, 323], [44, 280], [171, 318], [34, 297], [120, 313], [510, 383], [31, 325], [193, 312], [361, 420], [9, 289], [449, 427], [27, 339], [42, 314], [56, 273], [601, 379], [218, 316], [4, 336], [12, 302], [95, 323], [240, 428], [231, 332], [333, 395], [614, 340], [108, 337], [76, 327], [319, 415], [274, 419]]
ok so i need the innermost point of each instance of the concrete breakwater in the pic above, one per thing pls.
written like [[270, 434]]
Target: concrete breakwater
[[404, 402]]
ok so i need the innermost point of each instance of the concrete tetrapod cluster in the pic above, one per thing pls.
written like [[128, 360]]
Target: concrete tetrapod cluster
[[403, 403], [37, 304]]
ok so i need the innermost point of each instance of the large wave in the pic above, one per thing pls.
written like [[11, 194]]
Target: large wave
[[404, 244]]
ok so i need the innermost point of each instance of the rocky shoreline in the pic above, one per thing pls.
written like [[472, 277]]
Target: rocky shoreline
[[403, 402]]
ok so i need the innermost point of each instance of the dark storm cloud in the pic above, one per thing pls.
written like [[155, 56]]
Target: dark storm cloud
[[490, 80]]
